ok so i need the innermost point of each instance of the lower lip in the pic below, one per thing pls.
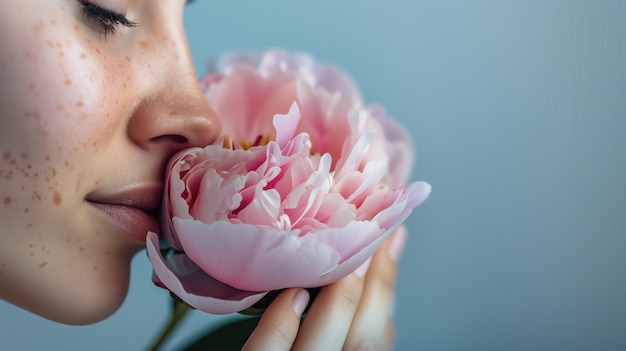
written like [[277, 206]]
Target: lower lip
[[134, 221]]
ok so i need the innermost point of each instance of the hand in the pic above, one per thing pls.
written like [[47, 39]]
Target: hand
[[351, 314]]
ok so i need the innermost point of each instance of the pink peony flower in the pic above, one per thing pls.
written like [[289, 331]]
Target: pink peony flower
[[304, 186]]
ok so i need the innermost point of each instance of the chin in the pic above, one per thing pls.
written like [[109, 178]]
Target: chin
[[84, 310], [84, 296]]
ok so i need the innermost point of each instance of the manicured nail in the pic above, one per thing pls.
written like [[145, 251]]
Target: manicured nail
[[362, 270], [300, 301], [397, 244]]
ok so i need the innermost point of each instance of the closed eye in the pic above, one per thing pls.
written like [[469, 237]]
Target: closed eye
[[107, 21]]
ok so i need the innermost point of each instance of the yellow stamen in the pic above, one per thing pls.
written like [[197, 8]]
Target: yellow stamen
[[245, 144], [229, 142]]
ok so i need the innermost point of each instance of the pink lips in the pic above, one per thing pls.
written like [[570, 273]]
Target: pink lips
[[132, 210]]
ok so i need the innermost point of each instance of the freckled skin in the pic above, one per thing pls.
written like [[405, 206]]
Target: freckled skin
[[83, 114]]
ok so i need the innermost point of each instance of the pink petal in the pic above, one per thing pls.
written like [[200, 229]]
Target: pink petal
[[264, 209], [373, 233], [397, 145], [334, 80], [414, 195], [335, 212], [286, 124], [348, 240], [183, 278], [251, 257]]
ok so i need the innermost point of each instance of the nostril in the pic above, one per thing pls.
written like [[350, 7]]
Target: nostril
[[178, 139]]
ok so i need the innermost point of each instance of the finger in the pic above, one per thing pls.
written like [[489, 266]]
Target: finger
[[327, 322], [279, 325], [372, 321]]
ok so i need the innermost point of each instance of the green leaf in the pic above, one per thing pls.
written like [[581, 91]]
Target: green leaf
[[230, 336]]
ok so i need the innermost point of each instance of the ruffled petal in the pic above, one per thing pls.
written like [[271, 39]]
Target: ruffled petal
[[187, 281], [251, 257]]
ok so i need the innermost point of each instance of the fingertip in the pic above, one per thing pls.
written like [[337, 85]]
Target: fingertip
[[300, 301], [398, 242], [278, 327], [362, 270]]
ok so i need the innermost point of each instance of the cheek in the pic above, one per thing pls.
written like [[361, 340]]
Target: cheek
[[64, 98], [56, 113]]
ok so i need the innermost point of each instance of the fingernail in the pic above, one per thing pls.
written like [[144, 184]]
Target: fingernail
[[397, 244], [300, 301], [362, 270]]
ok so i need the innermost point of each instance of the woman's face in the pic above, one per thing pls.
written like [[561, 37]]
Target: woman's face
[[92, 104]]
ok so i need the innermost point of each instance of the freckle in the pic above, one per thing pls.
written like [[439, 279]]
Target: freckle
[[57, 198], [76, 27], [36, 196], [83, 56], [53, 22], [59, 45], [50, 43], [26, 210], [7, 200], [61, 54], [6, 156], [81, 248], [43, 264], [98, 51], [47, 157], [54, 171], [39, 26], [95, 268], [68, 82], [24, 155], [32, 254], [127, 58], [79, 104], [43, 248], [29, 225], [60, 107]]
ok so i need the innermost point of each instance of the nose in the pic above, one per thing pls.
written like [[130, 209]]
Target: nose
[[171, 123]]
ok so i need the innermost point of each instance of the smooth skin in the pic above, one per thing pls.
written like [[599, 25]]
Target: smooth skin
[[94, 99]]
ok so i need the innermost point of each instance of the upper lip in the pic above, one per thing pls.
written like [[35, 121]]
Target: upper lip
[[144, 197]]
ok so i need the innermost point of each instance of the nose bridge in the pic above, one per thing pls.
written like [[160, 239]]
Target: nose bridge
[[170, 47]]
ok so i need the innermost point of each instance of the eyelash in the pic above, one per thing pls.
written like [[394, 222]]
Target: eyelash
[[107, 20]]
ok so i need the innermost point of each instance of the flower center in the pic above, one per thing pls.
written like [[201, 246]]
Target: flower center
[[245, 144]]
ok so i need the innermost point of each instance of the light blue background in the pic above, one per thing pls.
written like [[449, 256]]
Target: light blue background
[[518, 110]]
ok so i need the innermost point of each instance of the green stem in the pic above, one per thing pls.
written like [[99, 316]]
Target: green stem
[[177, 314]]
